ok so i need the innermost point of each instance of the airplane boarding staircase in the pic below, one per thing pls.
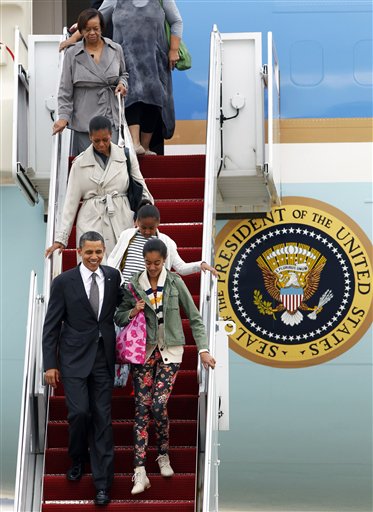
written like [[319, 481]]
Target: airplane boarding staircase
[[190, 191], [182, 179], [41, 479]]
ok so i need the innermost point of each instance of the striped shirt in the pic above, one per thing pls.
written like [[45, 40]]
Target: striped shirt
[[134, 260]]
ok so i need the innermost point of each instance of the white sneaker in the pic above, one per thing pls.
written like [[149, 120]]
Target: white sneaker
[[140, 480], [149, 152], [164, 465]]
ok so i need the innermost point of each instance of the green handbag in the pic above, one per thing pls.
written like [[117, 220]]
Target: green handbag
[[185, 59]]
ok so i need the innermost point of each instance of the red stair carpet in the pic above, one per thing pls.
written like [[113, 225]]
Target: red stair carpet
[[177, 184]]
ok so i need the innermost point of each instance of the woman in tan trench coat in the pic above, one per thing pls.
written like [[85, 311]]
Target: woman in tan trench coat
[[99, 178]]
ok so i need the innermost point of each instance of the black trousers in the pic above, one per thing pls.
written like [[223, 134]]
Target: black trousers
[[144, 115], [89, 415]]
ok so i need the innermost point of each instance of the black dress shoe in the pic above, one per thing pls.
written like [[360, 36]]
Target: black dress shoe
[[102, 497], [76, 471]]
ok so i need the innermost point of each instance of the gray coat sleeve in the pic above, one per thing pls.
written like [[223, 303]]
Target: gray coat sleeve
[[66, 88]]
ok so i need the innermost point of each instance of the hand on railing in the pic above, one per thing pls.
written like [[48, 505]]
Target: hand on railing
[[207, 360], [52, 377], [205, 266], [56, 246], [59, 126], [120, 89]]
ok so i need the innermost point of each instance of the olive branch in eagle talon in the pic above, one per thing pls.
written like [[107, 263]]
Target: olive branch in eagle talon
[[264, 306]]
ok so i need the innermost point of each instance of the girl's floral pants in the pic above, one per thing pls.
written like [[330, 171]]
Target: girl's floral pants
[[153, 383]]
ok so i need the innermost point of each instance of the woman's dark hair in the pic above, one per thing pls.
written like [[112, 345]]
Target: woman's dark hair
[[99, 123], [155, 245], [149, 210], [87, 15]]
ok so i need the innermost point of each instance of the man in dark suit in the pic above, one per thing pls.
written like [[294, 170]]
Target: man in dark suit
[[79, 347]]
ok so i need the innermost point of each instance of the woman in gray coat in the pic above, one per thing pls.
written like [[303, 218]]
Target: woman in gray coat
[[139, 29], [93, 72]]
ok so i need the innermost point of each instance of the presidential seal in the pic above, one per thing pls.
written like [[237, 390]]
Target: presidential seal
[[297, 283]]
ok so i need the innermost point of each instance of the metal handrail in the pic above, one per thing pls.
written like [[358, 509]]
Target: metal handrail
[[26, 411], [52, 266], [212, 411], [34, 407], [208, 296], [209, 209]]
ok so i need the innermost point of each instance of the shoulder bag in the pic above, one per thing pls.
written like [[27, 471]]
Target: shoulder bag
[[135, 189], [131, 341]]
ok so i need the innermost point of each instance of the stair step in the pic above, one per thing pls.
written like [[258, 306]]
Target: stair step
[[122, 505], [182, 433], [183, 460], [189, 253], [186, 382], [180, 211], [175, 210], [177, 184], [193, 282], [181, 407], [176, 188], [170, 166], [182, 486], [185, 235]]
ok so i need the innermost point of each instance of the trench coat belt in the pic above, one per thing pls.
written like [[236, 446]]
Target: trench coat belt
[[106, 96], [107, 200]]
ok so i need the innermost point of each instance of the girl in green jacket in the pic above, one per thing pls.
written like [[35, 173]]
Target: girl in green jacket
[[160, 294]]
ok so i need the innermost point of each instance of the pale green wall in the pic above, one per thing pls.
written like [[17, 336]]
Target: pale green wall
[[22, 236], [301, 439]]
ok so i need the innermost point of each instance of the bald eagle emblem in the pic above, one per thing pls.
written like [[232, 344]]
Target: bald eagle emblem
[[291, 274]]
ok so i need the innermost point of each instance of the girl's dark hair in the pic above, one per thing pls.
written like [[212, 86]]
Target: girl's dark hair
[[87, 15], [149, 210], [154, 244]]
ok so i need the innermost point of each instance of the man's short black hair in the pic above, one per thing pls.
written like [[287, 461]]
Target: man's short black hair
[[90, 236]]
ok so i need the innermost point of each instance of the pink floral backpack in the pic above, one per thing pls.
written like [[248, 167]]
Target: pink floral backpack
[[131, 340]]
